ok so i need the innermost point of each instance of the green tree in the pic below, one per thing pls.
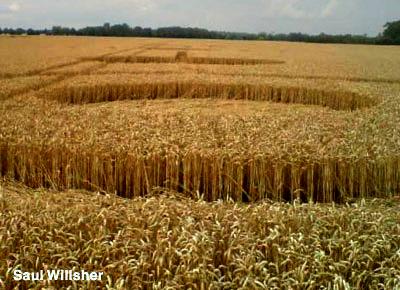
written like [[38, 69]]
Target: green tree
[[392, 31]]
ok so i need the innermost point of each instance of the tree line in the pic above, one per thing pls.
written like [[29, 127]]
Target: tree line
[[390, 35]]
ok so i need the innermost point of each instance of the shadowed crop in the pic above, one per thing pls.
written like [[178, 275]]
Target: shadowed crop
[[187, 59]]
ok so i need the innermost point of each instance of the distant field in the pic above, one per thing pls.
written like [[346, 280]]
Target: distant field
[[222, 119]]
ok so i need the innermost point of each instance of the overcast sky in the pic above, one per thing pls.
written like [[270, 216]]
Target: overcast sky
[[308, 16]]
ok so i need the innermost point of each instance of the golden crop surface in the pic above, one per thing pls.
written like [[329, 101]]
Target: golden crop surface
[[219, 119], [169, 241], [179, 125]]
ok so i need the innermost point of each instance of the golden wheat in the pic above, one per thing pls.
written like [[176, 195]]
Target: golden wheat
[[174, 242], [179, 134], [231, 148], [102, 93], [177, 57], [132, 148]]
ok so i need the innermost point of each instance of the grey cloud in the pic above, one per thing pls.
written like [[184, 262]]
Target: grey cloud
[[9, 8]]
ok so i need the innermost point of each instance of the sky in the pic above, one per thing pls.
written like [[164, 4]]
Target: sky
[[271, 16]]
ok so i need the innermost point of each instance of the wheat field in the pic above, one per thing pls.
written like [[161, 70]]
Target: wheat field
[[170, 241], [223, 119], [200, 164]]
